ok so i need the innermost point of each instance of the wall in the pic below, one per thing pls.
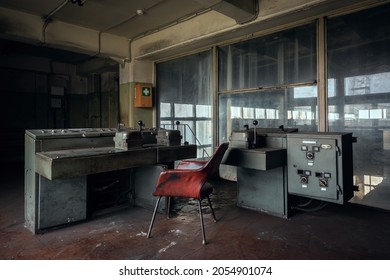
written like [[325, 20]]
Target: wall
[[130, 74], [103, 100], [37, 93]]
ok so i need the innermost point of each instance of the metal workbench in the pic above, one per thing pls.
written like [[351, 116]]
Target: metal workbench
[[60, 166]]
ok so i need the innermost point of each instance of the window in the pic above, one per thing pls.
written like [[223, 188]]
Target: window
[[184, 95], [358, 66], [270, 79], [282, 58]]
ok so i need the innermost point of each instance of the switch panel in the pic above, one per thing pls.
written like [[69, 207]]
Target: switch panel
[[320, 166]]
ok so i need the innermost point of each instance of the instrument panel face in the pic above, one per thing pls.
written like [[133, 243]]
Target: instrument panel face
[[320, 166]]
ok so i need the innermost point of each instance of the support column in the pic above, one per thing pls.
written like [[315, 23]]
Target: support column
[[129, 75], [322, 75]]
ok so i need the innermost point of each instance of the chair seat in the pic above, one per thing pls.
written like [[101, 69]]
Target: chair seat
[[180, 183], [190, 180]]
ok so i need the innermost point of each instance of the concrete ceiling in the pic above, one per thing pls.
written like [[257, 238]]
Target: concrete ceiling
[[128, 19], [118, 17]]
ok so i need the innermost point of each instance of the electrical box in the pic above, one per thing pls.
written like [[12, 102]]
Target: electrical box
[[143, 96], [320, 166]]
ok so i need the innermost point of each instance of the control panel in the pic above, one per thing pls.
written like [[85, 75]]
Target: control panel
[[320, 166]]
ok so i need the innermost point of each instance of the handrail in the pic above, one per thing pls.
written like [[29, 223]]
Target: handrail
[[177, 123]]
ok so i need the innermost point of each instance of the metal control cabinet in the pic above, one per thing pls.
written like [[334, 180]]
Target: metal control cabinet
[[261, 172], [320, 166]]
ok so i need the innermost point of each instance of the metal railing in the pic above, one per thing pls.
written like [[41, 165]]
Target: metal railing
[[183, 130]]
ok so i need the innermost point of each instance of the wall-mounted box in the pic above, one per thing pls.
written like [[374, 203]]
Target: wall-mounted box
[[143, 95]]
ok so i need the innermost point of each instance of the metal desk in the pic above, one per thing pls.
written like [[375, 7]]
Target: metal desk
[[61, 164]]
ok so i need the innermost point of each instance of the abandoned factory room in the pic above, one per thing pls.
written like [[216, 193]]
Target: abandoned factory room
[[195, 130]]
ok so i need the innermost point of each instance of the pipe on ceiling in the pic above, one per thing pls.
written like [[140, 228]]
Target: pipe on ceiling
[[47, 18]]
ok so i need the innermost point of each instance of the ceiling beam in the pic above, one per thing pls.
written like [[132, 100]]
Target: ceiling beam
[[28, 28], [242, 11]]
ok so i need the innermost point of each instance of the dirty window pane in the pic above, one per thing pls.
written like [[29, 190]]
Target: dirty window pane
[[284, 63], [359, 67], [184, 110], [281, 58], [183, 88], [204, 111], [204, 137], [271, 108], [165, 110]]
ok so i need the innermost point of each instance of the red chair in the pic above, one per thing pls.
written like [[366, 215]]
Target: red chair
[[188, 180]]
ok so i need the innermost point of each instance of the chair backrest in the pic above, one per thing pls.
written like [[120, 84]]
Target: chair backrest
[[212, 166]]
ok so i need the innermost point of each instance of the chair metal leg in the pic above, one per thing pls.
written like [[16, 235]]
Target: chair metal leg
[[211, 207], [201, 222], [153, 217], [168, 205]]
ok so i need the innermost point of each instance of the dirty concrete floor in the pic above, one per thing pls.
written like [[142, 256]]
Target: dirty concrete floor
[[335, 232]]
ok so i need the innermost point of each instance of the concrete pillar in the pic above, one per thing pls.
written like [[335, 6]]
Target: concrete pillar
[[130, 74]]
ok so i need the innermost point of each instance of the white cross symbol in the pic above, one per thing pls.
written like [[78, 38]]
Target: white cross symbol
[[146, 91]]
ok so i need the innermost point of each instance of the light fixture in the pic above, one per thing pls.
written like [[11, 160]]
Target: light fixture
[[140, 12]]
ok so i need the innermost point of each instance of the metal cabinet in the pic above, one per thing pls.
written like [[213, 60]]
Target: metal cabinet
[[261, 173], [320, 166]]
